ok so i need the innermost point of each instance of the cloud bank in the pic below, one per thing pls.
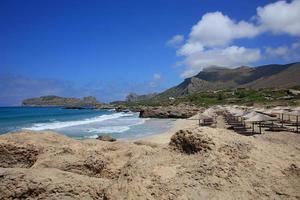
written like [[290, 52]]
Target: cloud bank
[[211, 40]]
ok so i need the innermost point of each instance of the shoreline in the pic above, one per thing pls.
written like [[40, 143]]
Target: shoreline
[[164, 137]]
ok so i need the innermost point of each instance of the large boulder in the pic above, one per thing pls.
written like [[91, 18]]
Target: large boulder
[[22, 156], [190, 142], [106, 138]]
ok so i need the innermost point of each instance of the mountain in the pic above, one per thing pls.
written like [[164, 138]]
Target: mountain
[[133, 97], [216, 78], [60, 101]]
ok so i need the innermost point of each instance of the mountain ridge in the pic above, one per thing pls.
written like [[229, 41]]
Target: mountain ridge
[[265, 76]]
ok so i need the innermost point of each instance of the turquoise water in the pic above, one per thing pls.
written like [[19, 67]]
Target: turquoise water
[[80, 124]]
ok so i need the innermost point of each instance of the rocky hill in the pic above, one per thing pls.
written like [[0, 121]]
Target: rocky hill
[[133, 97], [267, 76], [60, 101]]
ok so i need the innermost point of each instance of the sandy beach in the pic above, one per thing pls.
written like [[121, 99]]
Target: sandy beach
[[164, 138], [221, 165]]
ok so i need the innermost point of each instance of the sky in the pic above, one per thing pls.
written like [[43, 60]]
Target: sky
[[106, 49]]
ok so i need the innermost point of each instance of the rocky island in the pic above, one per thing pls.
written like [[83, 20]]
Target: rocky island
[[70, 103]]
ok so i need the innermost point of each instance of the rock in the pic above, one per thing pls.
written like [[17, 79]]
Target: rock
[[133, 97], [49, 183], [89, 101], [190, 142], [120, 108], [178, 111], [106, 138], [23, 156]]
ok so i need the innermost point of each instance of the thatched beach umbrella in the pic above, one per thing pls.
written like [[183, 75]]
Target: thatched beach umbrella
[[210, 112], [280, 111], [239, 113], [258, 119], [236, 112], [204, 116], [297, 114], [249, 114], [297, 108]]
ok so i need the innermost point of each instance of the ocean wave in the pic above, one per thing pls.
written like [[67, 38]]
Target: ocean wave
[[115, 129], [91, 136], [109, 129], [60, 124]]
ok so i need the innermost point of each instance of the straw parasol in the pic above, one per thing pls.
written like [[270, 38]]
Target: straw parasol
[[297, 108], [281, 111], [297, 114], [249, 115], [238, 113], [259, 118], [210, 112], [204, 116]]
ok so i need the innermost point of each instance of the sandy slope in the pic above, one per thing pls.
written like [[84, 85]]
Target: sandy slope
[[52, 166]]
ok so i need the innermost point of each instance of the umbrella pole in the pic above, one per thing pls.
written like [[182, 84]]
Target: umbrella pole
[[252, 127], [281, 120], [259, 127], [297, 125]]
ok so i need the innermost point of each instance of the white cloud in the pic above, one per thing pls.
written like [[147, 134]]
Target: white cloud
[[210, 40], [216, 29], [277, 51], [230, 57], [156, 80], [176, 40], [288, 53], [156, 76], [280, 17], [190, 48]]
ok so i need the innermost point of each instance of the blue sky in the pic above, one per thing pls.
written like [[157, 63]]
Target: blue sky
[[110, 48]]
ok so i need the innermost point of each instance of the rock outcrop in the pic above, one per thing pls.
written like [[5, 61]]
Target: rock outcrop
[[133, 97], [178, 111], [189, 142], [106, 138]]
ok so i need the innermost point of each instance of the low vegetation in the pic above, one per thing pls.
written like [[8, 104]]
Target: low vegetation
[[229, 96]]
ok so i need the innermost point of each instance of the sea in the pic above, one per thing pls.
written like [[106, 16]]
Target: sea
[[81, 123]]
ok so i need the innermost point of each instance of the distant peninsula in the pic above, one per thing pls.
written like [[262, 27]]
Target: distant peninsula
[[53, 100]]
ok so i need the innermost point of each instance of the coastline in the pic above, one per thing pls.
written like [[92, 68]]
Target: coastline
[[164, 138]]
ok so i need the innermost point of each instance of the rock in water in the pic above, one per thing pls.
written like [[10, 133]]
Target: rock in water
[[106, 138], [190, 142]]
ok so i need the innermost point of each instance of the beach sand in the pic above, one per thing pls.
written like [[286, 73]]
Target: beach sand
[[164, 138], [224, 165]]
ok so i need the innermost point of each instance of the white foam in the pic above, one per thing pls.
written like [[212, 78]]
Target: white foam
[[92, 136], [58, 124], [109, 129], [115, 129]]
